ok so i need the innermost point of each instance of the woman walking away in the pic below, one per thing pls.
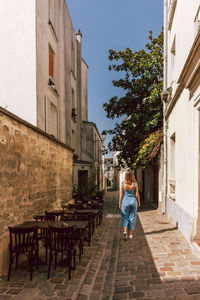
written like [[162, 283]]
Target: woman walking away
[[129, 201]]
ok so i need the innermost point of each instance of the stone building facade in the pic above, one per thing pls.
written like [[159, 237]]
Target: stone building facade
[[35, 175]]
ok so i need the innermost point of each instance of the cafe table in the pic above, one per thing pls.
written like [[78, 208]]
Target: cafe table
[[79, 226], [94, 213]]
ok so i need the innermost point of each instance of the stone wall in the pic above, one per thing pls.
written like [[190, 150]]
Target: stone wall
[[35, 174]]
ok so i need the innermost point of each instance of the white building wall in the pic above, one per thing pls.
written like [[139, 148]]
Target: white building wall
[[183, 30], [183, 123], [18, 58]]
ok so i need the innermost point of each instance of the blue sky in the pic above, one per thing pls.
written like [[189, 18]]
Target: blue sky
[[111, 24]]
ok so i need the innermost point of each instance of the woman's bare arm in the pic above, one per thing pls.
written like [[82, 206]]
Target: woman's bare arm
[[137, 195], [121, 196]]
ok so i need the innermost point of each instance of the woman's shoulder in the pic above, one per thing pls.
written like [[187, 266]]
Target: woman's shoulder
[[130, 185]]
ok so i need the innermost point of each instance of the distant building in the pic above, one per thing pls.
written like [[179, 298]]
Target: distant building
[[109, 171], [116, 178], [89, 164], [180, 194]]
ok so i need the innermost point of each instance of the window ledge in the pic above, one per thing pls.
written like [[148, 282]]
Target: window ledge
[[54, 91], [172, 181], [53, 30], [172, 196], [172, 7], [73, 74], [52, 86]]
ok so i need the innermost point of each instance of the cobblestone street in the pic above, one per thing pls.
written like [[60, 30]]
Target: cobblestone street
[[156, 264]]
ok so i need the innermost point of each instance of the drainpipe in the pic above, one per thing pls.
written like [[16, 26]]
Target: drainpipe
[[164, 109]]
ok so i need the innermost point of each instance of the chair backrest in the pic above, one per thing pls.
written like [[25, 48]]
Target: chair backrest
[[39, 217], [49, 216], [21, 239], [53, 216], [61, 239], [71, 206]]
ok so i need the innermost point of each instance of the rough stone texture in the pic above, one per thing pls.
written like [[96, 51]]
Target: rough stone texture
[[35, 173]]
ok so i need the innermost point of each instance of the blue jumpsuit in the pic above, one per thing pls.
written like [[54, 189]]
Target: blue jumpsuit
[[129, 208]]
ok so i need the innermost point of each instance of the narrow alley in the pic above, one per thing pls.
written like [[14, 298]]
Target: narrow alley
[[157, 264]]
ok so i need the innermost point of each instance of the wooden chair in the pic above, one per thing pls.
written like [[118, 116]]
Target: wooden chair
[[23, 241], [53, 216], [39, 217], [61, 240], [81, 217]]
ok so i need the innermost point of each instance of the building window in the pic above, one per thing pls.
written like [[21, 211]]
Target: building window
[[51, 62], [73, 99], [51, 117], [172, 182], [172, 8], [173, 53], [53, 120], [172, 156], [73, 58], [197, 22], [52, 13], [74, 110]]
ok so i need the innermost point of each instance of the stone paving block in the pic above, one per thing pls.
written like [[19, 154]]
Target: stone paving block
[[193, 290], [142, 288], [123, 289], [97, 287], [175, 291], [153, 281], [94, 296], [88, 280], [57, 298], [164, 298], [82, 297], [14, 291], [136, 295], [120, 296], [185, 297], [106, 297], [85, 289]]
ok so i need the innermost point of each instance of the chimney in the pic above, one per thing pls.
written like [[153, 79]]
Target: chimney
[[79, 36]]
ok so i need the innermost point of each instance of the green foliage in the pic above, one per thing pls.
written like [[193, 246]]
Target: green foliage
[[148, 149], [141, 105]]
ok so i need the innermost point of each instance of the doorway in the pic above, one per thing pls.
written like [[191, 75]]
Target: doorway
[[82, 179]]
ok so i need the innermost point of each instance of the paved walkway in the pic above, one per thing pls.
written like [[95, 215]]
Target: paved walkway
[[156, 264]]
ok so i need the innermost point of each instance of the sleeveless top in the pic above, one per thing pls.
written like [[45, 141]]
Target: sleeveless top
[[129, 192]]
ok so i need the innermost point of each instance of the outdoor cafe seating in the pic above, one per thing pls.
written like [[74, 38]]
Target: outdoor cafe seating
[[83, 233], [59, 231], [23, 241], [61, 241]]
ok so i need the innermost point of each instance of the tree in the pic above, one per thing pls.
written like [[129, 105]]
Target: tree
[[141, 106]]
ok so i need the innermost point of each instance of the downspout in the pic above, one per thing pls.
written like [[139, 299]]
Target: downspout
[[164, 109]]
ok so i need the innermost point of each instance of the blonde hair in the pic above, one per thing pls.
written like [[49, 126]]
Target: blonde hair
[[129, 177]]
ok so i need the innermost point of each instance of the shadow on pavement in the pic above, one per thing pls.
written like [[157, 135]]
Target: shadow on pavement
[[155, 267]]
